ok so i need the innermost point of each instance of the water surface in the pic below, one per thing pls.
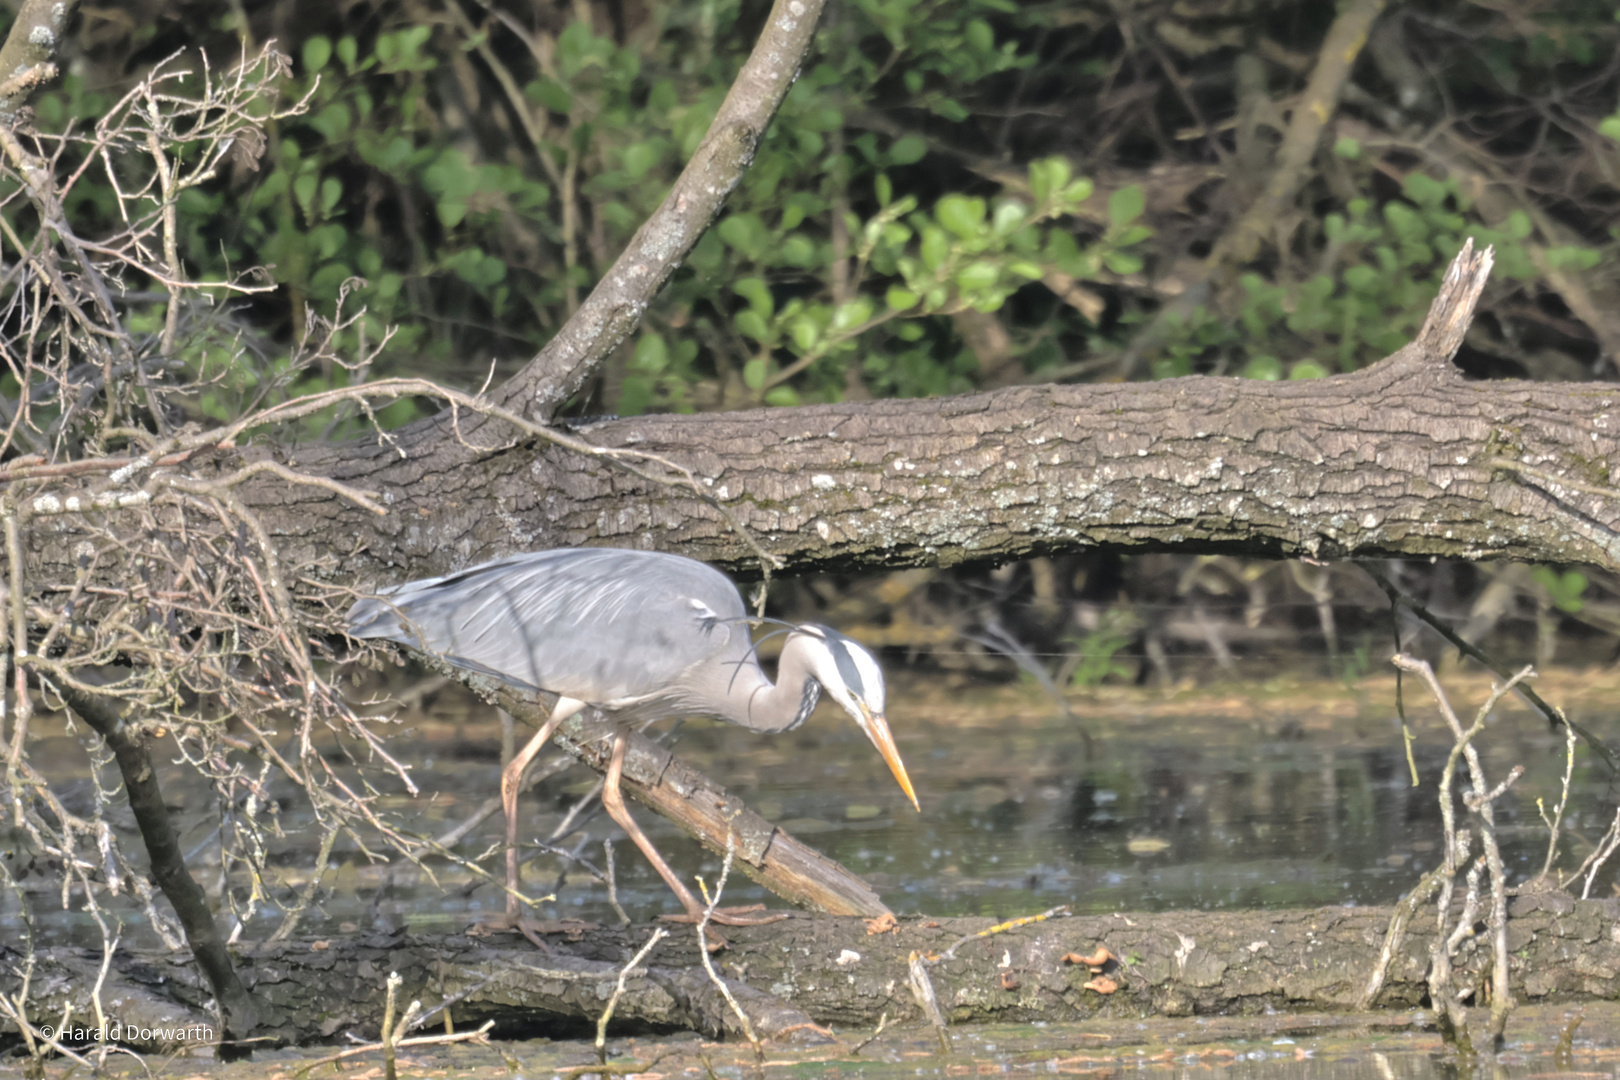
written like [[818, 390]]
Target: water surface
[[1277, 796]]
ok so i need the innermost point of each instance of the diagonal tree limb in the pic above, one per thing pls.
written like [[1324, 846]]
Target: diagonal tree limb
[[700, 807], [1242, 240], [614, 308], [1343, 44], [168, 865], [1555, 716]]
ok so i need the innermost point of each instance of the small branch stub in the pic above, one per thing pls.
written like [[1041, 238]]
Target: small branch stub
[[27, 58], [1453, 308]]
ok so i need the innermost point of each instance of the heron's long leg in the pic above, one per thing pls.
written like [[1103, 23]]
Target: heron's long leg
[[512, 780], [613, 801]]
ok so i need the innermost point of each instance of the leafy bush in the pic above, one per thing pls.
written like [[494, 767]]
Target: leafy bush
[[482, 171], [1380, 266]]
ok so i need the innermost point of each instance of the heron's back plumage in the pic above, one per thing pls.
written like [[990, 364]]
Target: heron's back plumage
[[596, 624]]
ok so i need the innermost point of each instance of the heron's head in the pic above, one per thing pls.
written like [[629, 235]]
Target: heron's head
[[851, 677]]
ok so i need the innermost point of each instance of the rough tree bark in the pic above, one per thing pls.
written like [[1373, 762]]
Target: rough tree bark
[[29, 53], [1406, 458], [833, 971]]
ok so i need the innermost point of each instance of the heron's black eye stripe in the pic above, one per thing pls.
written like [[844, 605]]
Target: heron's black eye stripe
[[844, 662]]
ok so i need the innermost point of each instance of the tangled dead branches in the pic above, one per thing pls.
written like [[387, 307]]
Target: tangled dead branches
[[180, 620], [130, 386]]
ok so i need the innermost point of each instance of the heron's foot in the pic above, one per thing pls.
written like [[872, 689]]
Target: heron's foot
[[752, 915], [500, 924], [713, 940]]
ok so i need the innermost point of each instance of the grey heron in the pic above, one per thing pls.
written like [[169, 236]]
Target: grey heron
[[637, 635]]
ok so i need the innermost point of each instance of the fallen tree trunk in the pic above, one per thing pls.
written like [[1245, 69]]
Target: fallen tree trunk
[[1406, 458], [829, 970]]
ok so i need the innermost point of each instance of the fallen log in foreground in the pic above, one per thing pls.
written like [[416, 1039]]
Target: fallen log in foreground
[[832, 971]]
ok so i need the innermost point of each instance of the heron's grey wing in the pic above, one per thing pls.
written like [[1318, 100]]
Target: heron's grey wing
[[597, 624]]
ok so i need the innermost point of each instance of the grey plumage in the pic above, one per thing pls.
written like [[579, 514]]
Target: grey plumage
[[638, 635], [571, 620]]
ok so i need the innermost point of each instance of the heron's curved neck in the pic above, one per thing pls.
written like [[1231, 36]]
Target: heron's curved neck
[[754, 702]]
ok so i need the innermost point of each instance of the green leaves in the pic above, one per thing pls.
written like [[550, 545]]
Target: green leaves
[[797, 249], [1425, 190], [1564, 590], [1267, 368], [333, 122], [1380, 264], [454, 180], [818, 266], [805, 333], [967, 252], [907, 150], [1572, 258], [401, 50], [476, 268], [651, 354], [304, 191], [899, 299], [1054, 189], [752, 324], [962, 215], [754, 373], [746, 233], [853, 315], [978, 276], [331, 192], [1047, 177], [979, 36], [758, 295], [1125, 206], [754, 320], [317, 51], [659, 372], [551, 94], [935, 248], [640, 157]]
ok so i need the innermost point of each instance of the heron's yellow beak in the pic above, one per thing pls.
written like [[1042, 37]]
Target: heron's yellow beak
[[877, 729]]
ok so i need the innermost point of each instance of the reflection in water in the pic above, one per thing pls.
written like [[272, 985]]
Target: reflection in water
[[1205, 804]]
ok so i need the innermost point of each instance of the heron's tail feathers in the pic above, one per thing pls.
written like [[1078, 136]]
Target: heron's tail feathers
[[374, 618]]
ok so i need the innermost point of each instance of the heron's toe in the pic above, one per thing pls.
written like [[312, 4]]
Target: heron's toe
[[751, 915]]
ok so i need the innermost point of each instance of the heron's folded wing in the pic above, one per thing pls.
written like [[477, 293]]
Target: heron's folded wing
[[598, 624]]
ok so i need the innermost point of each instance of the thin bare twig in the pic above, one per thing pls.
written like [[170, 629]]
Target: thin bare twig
[[711, 903], [1480, 802], [658, 935], [479, 1037]]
